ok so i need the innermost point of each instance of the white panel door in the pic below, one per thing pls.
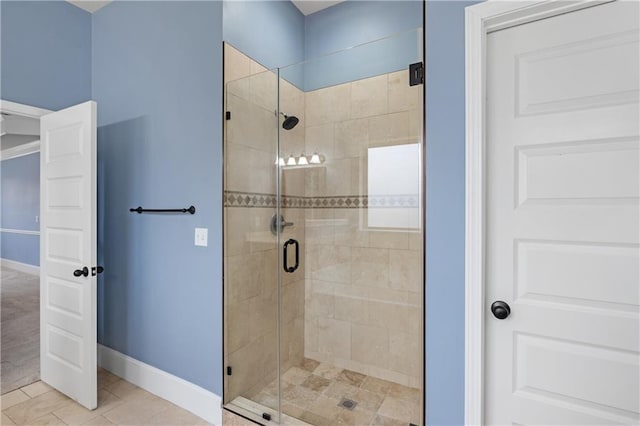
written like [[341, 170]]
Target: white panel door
[[68, 244], [562, 230]]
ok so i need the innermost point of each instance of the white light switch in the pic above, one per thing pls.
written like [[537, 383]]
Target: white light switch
[[201, 237]]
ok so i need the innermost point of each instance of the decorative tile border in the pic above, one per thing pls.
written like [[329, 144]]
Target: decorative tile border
[[257, 200]]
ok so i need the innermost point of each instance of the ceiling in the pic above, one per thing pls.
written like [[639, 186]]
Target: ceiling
[[307, 7], [89, 5], [16, 130]]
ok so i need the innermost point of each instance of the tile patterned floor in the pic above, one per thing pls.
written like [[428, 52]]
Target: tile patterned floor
[[231, 419], [119, 403], [313, 391]]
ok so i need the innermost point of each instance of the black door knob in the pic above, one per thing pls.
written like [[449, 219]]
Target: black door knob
[[81, 272], [500, 309]]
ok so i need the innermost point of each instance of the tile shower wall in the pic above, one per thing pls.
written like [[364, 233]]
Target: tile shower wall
[[363, 284], [251, 256]]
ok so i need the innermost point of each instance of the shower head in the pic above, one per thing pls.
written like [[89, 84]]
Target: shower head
[[290, 121]]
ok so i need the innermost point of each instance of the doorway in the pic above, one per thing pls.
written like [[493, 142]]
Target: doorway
[[20, 290]]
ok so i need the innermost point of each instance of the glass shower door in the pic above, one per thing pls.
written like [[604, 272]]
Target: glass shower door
[[351, 176], [251, 254]]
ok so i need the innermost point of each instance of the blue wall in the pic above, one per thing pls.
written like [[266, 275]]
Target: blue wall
[[20, 204], [46, 53], [353, 23], [270, 32], [156, 149], [157, 79], [276, 34], [444, 118]]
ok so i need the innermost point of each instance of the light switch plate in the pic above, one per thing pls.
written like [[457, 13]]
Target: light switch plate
[[201, 237]]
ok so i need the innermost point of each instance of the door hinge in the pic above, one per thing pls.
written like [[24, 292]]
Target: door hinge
[[229, 371], [416, 74], [266, 416], [228, 115]]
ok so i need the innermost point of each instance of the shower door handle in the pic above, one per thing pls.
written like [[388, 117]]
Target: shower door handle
[[285, 263]]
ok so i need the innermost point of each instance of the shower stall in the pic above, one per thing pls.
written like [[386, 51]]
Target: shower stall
[[323, 237]]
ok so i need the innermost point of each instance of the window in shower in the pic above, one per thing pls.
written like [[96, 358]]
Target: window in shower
[[394, 187]]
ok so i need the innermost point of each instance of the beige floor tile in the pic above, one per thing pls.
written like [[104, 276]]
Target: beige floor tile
[[351, 377], [404, 392], [399, 409], [6, 421], [28, 411], [314, 419], [106, 378], [12, 398], [175, 416], [295, 375], [376, 385], [266, 399], [309, 364], [137, 411], [292, 410], [386, 421], [356, 417], [325, 406], [127, 391], [368, 400], [76, 414], [316, 400], [316, 383], [35, 389], [98, 421], [47, 419], [339, 390], [300, 396], [230, 419], [327, 371]]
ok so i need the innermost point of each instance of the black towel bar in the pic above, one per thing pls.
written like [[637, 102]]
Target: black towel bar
[[190, 209]]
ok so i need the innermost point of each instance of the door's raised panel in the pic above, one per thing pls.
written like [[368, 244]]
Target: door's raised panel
[[64, 346], [64, 245], [583, 171], [589, 377], [65, 296], [591, 274], [579, 79], [63, 143], [65, 193]]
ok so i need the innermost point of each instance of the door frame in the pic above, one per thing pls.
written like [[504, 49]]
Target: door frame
[[480, 19], [21, 110]]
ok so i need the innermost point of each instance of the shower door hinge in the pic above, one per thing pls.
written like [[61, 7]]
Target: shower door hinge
[[416, 74], [228, 115], [229, 371]]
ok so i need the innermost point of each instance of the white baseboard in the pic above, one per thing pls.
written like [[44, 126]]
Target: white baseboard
[[22, 267], [193, 398]]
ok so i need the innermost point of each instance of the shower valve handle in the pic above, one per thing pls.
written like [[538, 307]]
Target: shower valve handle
[[278, 224]]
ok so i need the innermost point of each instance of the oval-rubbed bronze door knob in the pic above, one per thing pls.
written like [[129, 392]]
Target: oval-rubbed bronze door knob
[[500, 309], [84, 272]]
